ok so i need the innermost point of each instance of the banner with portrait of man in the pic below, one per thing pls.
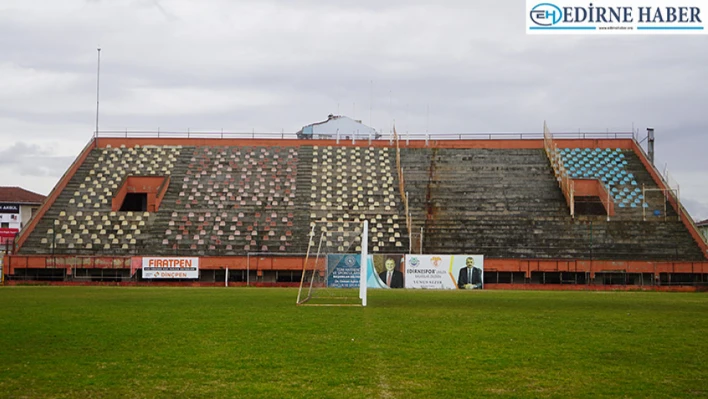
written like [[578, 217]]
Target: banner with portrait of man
[[444, 271], [385, 271]]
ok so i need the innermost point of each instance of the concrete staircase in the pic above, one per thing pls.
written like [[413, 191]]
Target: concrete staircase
[[301, 211], [151, 243]]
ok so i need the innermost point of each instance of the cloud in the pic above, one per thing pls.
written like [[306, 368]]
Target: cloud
[[698, 210], [272, 65], [31, 160]]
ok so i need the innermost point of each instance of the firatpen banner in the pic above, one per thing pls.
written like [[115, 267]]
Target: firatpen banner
[[444, 271], [171, 268]]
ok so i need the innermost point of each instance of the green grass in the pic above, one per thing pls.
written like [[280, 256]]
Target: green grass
[[103, 342]]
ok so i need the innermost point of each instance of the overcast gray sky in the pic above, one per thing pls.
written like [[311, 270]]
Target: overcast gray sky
[[273, 65]]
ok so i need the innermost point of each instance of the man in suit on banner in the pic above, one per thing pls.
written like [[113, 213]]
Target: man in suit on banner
[[470, 277], [393, 278]]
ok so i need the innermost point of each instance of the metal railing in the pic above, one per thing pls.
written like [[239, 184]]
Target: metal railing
[[402, 188], [403, 136], [564, 181]]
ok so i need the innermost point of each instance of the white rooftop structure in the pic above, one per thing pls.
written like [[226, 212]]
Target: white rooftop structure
[[345, 127]]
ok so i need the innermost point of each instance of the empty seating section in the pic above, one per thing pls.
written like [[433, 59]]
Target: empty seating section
[[350, 185], [111, 168], [86, 223], [93, 231], [609, 166], [234, 200]]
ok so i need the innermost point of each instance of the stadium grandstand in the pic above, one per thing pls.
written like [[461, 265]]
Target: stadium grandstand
[[555, 211]]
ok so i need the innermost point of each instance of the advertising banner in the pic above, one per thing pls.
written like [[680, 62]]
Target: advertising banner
[[343, 270], [444, 271], [7, 235], [170, 267], [9, 208], [407, 271], [385, 271]]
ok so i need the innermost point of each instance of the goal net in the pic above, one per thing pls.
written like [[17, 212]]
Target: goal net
[[334, 272]]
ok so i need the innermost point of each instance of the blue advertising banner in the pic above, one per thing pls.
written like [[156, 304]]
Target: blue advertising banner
[[343, 270]]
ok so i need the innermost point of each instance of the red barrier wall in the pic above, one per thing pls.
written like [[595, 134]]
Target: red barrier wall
[[295, 263]]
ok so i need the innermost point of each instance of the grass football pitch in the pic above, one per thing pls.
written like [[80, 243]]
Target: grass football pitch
[[105, 342]]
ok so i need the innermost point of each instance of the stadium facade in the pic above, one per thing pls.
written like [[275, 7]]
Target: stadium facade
[[547, 211]]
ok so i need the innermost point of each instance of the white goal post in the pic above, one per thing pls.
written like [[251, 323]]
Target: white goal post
[[315, 288]]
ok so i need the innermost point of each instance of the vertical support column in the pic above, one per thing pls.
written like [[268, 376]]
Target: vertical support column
[[421, 240], [572, 198], [364, 264], [608, 204], [666, 199]]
